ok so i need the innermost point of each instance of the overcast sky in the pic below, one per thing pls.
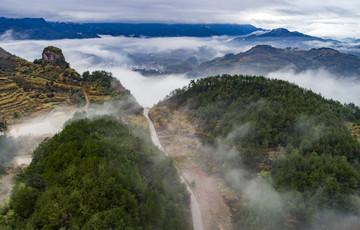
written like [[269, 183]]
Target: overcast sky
[[326, 18]]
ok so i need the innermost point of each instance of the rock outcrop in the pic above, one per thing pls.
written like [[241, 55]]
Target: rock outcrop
[[53, 55]]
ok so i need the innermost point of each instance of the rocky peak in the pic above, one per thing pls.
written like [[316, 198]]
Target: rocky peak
[[53, 55]]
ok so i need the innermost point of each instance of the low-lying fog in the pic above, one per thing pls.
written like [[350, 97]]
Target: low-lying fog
[[23, 138], [117, 54], [343, 89], [46, 124]]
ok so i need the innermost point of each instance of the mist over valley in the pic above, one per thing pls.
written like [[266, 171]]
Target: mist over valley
[[156, 66], [239, 121]]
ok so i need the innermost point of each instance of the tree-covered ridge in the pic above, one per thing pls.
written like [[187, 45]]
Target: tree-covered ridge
[[281, 113], [292, 137], [96, 174]]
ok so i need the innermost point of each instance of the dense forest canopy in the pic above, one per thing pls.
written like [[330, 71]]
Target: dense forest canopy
[[96, 174], [286, 136]]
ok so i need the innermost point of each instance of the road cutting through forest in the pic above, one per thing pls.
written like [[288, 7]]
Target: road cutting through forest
[[6, 183], [195, 209]]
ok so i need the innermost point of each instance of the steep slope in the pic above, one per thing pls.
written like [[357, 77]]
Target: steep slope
[[96, 174], [29, 88], [286, 155], [263, 59]]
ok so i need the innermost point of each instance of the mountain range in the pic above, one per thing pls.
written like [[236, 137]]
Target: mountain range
[[259, 60], [245, 34], [39, 29], [279, 34]]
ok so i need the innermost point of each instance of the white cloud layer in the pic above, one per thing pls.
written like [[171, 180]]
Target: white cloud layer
[[47, 124], [111, 54], [345, 89]]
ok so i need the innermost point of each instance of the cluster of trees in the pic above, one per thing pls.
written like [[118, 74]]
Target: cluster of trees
[[101, 81], [96, 174], [296, 137], [97, 83]]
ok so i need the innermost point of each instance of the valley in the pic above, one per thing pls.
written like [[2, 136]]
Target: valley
[[177, 126]]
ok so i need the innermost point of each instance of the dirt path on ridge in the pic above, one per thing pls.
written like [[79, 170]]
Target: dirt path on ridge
[[87, 100]]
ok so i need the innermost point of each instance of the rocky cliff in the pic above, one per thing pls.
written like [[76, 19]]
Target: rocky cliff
[[53, 55]]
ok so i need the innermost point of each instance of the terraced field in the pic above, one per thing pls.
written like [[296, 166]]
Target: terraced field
[[28, 88]]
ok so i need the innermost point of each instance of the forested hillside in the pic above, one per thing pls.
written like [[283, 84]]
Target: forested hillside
[[96, 174], [290, 156]]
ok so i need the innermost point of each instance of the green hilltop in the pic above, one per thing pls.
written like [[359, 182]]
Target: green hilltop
[[96, 174], [299, 146]]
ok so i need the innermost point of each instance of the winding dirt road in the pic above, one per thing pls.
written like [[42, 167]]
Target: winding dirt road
[[6, 182], [87, 100], [195, 209]]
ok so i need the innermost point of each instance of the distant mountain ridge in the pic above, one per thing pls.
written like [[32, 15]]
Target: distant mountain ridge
[[263, 59], [173, 30], [282, 33], [39, 29], [284, 38]]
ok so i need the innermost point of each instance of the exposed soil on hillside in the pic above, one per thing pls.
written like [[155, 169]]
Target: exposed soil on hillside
[[179, 140], [214, 211], [6, 186]]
